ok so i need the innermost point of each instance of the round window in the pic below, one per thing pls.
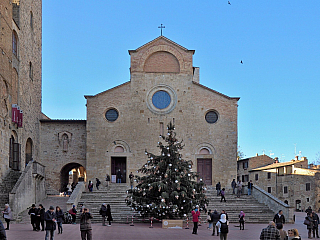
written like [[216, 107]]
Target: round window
[[212, 117], [161, 99], [112, 115]]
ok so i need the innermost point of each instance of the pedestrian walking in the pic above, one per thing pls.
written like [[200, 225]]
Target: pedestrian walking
[[222, 193], [315, 230], [97, 183], [33, 211], [270, 232], [279, 218], [233, 185], [109, 216], [215, 216], [283, 233], [309, 222], [195, 219], [85, 225], [50, 218], [293, 234], [131, 176], [239, 188], [59, 217], [73, 212], [107, 180], [218, 188], [41, 212], [7, 215], [209, 219], [250, 186], [241, 219], [3, 235], [223, 226], [103, 213], [90, 186]]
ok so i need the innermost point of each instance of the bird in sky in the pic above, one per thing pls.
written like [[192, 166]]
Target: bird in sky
[[229, 3], [241, 62]]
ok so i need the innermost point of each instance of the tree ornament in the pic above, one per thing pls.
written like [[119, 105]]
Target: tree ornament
[[176, 181]]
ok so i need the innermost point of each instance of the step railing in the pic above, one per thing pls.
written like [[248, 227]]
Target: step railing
[[273, 203], [76, 195]]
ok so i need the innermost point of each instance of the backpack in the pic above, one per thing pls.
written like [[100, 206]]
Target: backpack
[[224, 227]]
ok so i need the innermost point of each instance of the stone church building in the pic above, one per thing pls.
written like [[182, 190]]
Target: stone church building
[[124, 121]]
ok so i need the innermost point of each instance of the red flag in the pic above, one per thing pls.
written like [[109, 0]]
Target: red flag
[[14, 113]]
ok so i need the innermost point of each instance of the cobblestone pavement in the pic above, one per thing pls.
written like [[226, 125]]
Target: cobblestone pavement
[[142, 231]]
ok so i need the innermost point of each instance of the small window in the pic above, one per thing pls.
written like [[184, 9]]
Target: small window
[[269, 175], [308, 187], [269, 189], [245, 165], [285, 189], [14, 43], [112, 115], [30, 71], [256, 177], [31, 20], [238, 166], [211, 117], [308, 199]]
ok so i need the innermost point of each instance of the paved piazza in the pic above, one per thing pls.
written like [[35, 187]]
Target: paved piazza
[[142, 231]]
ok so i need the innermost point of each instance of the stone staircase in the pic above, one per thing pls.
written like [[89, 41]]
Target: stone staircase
[[255, 212], [7, 184], [115, 195]]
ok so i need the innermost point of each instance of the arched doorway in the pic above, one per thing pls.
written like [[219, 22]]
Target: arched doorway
[[28, 151], [204, 165], [72, 173]]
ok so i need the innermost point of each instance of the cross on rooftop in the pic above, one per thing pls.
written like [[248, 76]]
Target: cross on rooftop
[[161, 28]]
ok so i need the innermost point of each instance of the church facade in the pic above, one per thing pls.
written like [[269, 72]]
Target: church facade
[[124, 121]]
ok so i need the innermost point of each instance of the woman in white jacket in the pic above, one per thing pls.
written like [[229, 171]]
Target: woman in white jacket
[[223, 226], [7, 215]]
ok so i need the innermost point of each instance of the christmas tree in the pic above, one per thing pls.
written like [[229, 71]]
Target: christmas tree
[[168, 188]]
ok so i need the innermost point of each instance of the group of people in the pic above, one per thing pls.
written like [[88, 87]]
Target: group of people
[[235, 186], [105, 212], [312, 222], [275, 231]]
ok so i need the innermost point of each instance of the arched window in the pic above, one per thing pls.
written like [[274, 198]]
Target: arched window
[[118, 149], [28, 151], [15, 43], [14, 154], [204, 151]]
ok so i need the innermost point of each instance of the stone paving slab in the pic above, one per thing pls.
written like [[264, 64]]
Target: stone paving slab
[[142, 231]]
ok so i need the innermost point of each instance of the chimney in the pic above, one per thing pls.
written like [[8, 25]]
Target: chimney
[[296, 158]]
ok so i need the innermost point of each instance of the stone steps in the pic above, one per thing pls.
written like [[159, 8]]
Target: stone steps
[[7, 185], [115, 195]]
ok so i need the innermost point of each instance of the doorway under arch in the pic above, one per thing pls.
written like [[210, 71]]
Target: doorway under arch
[[72, 173]]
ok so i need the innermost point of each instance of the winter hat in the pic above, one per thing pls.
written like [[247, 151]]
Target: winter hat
[[51, 208]]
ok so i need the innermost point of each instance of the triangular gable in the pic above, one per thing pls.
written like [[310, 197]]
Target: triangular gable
[[91, 96]]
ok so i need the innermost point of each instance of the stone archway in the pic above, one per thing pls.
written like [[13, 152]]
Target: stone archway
[[72, 172]]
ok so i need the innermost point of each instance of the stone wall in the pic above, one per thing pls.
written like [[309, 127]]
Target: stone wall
[[58, 153]]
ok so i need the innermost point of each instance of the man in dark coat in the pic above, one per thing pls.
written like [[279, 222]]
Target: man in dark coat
[[3, 235], [316, 222], [250, 186], [41, 212], [119, 176], [50, 218], [215, 216], [233, 185], [279, 218], [103, 213], [309, 210], [33, 212], [85, 225], [218, 188]]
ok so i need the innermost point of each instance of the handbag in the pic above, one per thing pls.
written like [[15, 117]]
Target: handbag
[[306, 222]]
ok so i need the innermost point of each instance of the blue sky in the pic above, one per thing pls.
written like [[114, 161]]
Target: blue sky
[[86, 43]]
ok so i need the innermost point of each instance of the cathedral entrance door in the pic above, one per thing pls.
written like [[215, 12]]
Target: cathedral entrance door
[[204, 166], [119, 163]]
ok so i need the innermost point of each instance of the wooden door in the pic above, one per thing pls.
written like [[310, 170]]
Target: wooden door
[[204, 166], [119, 163]]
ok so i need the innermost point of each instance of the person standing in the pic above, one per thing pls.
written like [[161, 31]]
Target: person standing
[[59, 217], [315, 230], [90, 186], [309, 210], [215, 216], [131, 180], [119, 176], [195, 219], [85, 225], [283, 234], [69, 187], [222, 193], [233, 185], [293, 234], [109, 216], [3, 235], [241, 219], [223, 226], [309, 218], [41, 212], [73, 212], [218, 188], [279, 218], [7, 215], [33, 212], [97, 183], [239, 188], [209, 219], [270, 232], [250, 186], [103, 213], [50, 218], [107, 180]]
